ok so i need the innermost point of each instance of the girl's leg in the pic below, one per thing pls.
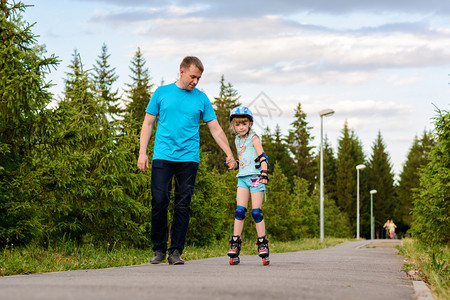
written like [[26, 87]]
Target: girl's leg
[[257, 199], [242, 196], [262, 242]]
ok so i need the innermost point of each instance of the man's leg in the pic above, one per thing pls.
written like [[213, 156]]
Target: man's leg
[[184, 188], [161, 184]]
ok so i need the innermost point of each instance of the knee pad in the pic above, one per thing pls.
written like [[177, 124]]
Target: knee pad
[[240, 212], [257, 215]]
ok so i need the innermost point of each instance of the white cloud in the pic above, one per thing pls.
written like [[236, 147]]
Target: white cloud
[[397, 80], [378, 64], [265, 56]]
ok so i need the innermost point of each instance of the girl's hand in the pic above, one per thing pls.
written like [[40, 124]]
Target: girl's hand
[[263, 179]]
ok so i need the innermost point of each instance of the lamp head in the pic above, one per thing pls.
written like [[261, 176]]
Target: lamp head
[[373, 192], [360, 167], [326, 112]]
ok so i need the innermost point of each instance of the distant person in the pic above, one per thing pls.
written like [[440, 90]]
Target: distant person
[[252, 178], [392, 227], [179, 107], [388, 228]]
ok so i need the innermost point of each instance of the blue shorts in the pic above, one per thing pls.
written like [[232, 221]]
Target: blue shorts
[[252, 183]]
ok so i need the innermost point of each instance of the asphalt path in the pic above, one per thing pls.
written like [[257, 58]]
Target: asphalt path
[[353, 270]]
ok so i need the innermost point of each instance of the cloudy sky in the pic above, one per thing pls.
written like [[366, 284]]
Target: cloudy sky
[[381, 65]]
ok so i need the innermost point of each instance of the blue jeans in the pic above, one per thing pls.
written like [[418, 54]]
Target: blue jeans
[[163, 172]]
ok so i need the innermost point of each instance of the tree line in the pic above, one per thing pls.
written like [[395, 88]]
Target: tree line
[[69, 171]]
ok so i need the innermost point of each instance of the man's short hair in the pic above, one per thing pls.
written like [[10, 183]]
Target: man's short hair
[[191, 60]]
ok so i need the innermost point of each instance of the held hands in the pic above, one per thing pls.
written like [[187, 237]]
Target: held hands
[[231, 163], [142, 162]]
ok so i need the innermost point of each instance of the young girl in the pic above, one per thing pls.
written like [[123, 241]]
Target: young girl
[[252, 177]]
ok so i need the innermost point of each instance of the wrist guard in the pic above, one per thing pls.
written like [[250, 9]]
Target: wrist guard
[[264, 176], [260, 159]]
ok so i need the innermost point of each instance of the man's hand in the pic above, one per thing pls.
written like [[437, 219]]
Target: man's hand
[[142, 162], [231, 163]]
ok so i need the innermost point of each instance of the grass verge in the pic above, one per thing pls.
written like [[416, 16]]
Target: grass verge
[[69, 256], [430, 265]]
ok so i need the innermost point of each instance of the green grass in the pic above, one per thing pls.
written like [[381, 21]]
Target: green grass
[[68, 256], [430, 265]]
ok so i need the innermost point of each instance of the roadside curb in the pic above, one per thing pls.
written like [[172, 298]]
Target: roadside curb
[[421, 291]]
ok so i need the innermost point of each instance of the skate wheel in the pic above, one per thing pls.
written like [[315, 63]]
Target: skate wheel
[[266, 261], [234, 260]]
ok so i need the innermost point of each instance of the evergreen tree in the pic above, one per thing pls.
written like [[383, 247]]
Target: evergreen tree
[[24, 97], [104, 78], [227, 100], [140, 90], [305, 216], [431, 215], [381, 178], [336, 222], [350, 154], [281, 212], [267, 140], [86, 182], [298, 140], [217, 192], [277, 150], [80, 119], [410, 178], [78, 85], [223, 104], [329, 170]]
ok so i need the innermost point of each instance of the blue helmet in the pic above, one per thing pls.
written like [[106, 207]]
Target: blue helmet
[[241, 111]]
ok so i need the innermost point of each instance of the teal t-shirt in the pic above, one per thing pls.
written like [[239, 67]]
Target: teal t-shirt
[[246, 155], [179, 112]]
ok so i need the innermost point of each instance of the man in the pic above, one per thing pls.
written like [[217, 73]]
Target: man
[[179, 107]]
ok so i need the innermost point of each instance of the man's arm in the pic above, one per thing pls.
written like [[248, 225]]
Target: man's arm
[[146, 132], [221, 140]]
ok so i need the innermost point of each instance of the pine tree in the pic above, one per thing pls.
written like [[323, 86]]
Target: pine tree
[[86, 182], [277, 150], [140, 90], [381, 178], [223, 104], [104, 78], [299, 139], [431, 215], [24, 97], [304, 214], [329, 169], [78, 86], [417, 159], [81, 132], [281, 212], [350, 154], [227, 100]]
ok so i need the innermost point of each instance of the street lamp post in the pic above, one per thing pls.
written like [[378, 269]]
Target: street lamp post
[[358, 168], [372, 236], [326, 112]]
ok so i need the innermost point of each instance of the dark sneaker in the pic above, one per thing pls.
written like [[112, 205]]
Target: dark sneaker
[[175, 259], [158, 257]]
